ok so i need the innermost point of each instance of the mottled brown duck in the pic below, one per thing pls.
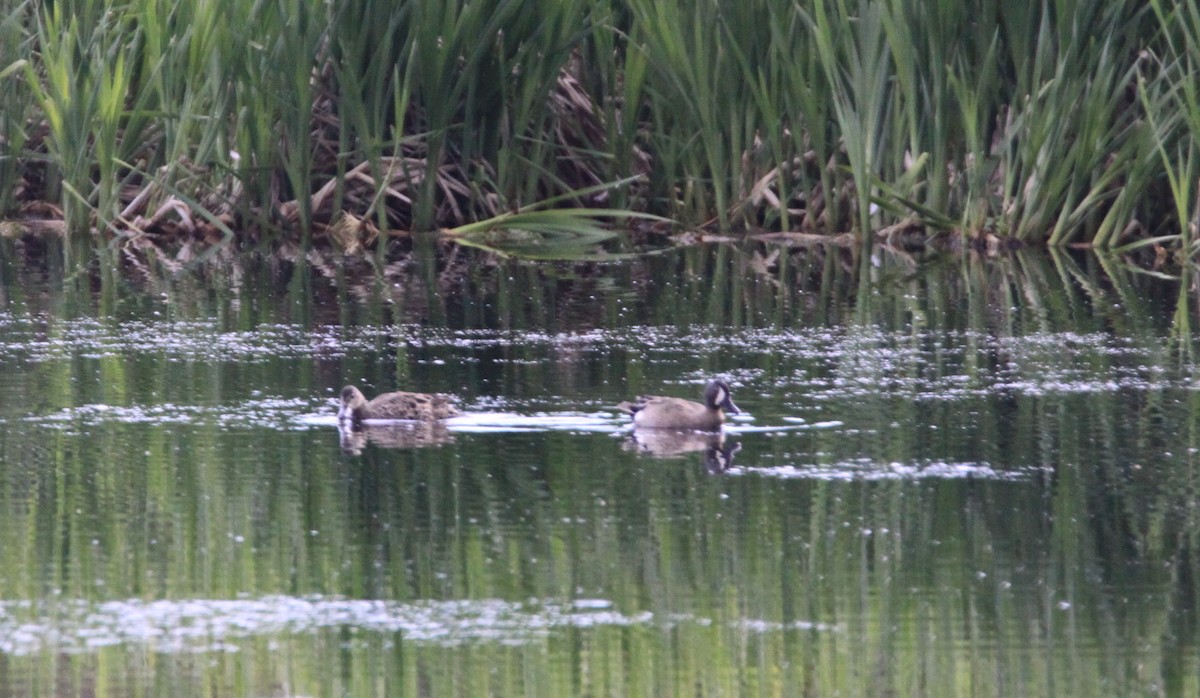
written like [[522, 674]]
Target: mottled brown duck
[[420, 407]]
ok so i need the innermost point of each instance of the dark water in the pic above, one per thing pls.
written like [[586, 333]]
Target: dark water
[[953, 478]]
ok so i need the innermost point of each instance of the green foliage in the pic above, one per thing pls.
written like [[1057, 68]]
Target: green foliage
[[81, 83], [17, 104], [1172, 106], [1055, 122]]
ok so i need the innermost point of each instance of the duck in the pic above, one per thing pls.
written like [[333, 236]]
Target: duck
[[420, 407], [659, 412]]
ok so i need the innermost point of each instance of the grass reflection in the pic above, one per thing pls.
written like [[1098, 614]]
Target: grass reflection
[[986, 485]]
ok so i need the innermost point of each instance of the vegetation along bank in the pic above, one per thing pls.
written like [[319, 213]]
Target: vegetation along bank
[[226, 122]]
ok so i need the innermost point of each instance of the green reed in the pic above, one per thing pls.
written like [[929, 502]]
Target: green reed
[[1029, 121], [692, 71], [854, 55], [1172, 105], [18, 106], [371, 98], [81, 83]]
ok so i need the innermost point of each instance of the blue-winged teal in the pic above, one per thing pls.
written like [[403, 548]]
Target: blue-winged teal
[[657, 412], [412, 406]]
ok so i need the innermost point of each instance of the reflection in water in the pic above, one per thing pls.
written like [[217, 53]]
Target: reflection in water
[[719, 459], [399, 435], [992, 490], [669, 443], [219, 625], [866, 469], [666, 443]]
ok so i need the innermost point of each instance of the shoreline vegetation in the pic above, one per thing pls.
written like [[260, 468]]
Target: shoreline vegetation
[[209, 124]]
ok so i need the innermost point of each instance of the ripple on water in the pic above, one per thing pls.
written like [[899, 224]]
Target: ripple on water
[[836, 364], [864, 470], [289, 414], [278, 413], [206, 625]]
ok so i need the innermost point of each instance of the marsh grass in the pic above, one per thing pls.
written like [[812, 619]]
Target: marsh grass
[[1172, 106], [1070, 121], [80, 88], [18, 108]]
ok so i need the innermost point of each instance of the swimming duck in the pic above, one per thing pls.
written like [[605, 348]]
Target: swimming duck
[[658, 412], [399, 405]]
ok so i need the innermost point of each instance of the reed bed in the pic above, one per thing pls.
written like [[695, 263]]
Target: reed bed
[[204, 123]]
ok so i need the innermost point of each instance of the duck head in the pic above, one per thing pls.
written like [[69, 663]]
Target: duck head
[[718, 396], [352, 402]]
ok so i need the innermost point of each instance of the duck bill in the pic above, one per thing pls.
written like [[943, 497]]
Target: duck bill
[[729, 407]]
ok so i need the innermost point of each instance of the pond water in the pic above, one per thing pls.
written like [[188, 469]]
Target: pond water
[[950, 477]]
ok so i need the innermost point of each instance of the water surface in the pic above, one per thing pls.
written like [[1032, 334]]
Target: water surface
[[952, 477]]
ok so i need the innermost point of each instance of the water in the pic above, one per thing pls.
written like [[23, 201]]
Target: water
[[951, 478]]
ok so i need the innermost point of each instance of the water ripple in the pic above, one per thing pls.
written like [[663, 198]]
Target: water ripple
[[206, 625], [867, 470]]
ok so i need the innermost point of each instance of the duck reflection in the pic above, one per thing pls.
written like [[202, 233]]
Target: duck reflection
[[720, 459], [405, 435], [663, 443]]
